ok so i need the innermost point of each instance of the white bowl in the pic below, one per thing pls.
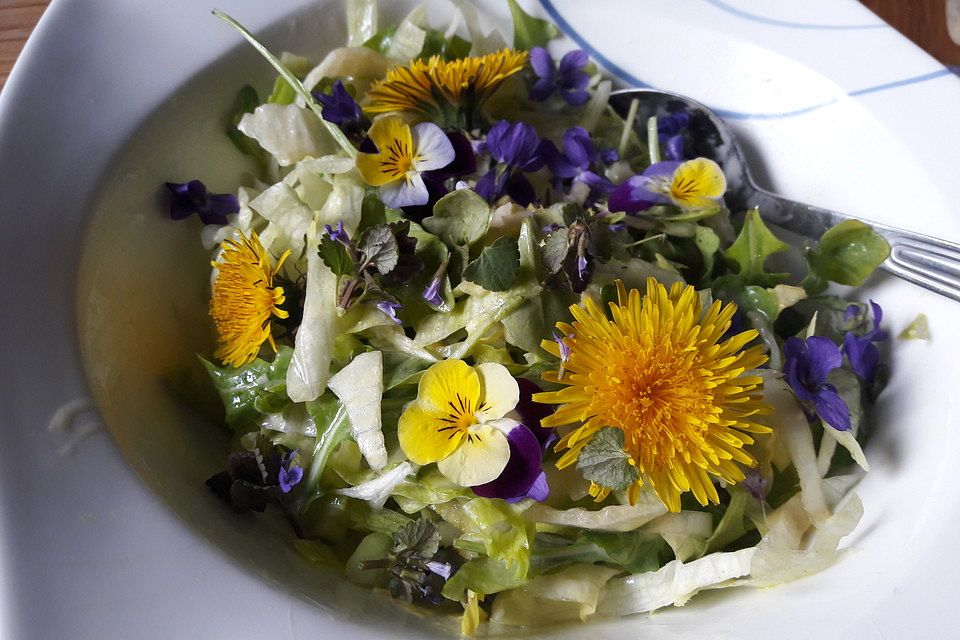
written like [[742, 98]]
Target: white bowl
[[112, 533]]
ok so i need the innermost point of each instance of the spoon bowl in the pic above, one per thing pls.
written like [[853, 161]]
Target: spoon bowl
[[931, 263]]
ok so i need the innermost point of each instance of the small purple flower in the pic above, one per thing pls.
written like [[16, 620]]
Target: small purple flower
[[390, 308], [515, 148], [636, 194], [569, 79], [576, 160], [432, 293], [192, 197], [338, 234], [289, 478], [860, 350], [808, 363], [609, 156], [755, 484], [670, 129], [564, 349], [442, 569], [341, 109], [290, 474]]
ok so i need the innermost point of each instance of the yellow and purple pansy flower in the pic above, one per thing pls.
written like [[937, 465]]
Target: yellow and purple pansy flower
[[395, 155], [692, 185], [458, 421]]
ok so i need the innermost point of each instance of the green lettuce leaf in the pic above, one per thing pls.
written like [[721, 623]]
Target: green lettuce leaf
[[252, 390], [751, 249], [529, 32], [846, 254]]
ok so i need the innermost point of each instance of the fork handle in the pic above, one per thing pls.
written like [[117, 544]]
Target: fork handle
[[929, 262]]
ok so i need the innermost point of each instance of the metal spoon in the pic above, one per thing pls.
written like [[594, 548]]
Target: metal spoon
[[932, 263]]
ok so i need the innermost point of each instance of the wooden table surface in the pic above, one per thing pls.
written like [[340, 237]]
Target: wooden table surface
[[923, 21]]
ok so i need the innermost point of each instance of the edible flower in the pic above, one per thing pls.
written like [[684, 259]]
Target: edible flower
[[806, 367], [289, 474], [670, 130], [192, 197], [515, 148], [859, 348], [576, 160], [692, 185], [244, 299], [448, 92], [570, 79], [390, 308], [341, 109], [399, 156], [457, 421], [658, 371], [523, 477]]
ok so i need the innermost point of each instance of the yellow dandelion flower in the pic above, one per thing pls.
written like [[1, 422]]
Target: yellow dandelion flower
[[448, 92], [244, 299], [659, 372]]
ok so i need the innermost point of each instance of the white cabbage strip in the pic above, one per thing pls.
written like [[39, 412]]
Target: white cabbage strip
[[359, 385]]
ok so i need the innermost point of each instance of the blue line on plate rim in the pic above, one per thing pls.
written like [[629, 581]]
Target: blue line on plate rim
[[636, 82], [740, 13]]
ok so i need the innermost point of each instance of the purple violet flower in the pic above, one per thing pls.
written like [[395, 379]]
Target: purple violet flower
[[289, 478], [755, 484], [338, 234], [564, 349], [808, 363], [576, 160], [570, 79], [290, 474], [531, 413], [670, 129], [432, 293], [390, 308], [192, 197], [860, 350], [341, 109], [515, 147]]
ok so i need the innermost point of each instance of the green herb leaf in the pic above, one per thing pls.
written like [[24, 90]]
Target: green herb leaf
[[372, 211], [848, 253], [555, 249], [459, 218], [751, 249], [335, 255], [419, 539], [529, 32], [604, 461], [497, 267], [379, 248]]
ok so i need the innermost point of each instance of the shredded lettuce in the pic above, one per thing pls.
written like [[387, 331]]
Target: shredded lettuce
[[288, 132], [613, 518], [569, 594], [313, 347], [359, 385], [377, 491]]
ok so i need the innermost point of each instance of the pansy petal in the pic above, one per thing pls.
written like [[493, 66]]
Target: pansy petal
[[381, 168], [424, 436], [480, 458], [443, 382], [434, 150], [499, 392], [832, 408], [697, 183], [409, 191], [539, 490], [662, 169], [633, 196], [522, 469]]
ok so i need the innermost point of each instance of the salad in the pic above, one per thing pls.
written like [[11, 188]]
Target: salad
[[503, 352]]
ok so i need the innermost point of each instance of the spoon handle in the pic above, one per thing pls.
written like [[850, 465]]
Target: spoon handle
[[929, 262]]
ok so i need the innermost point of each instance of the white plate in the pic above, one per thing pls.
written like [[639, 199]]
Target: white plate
[[109, 532]]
